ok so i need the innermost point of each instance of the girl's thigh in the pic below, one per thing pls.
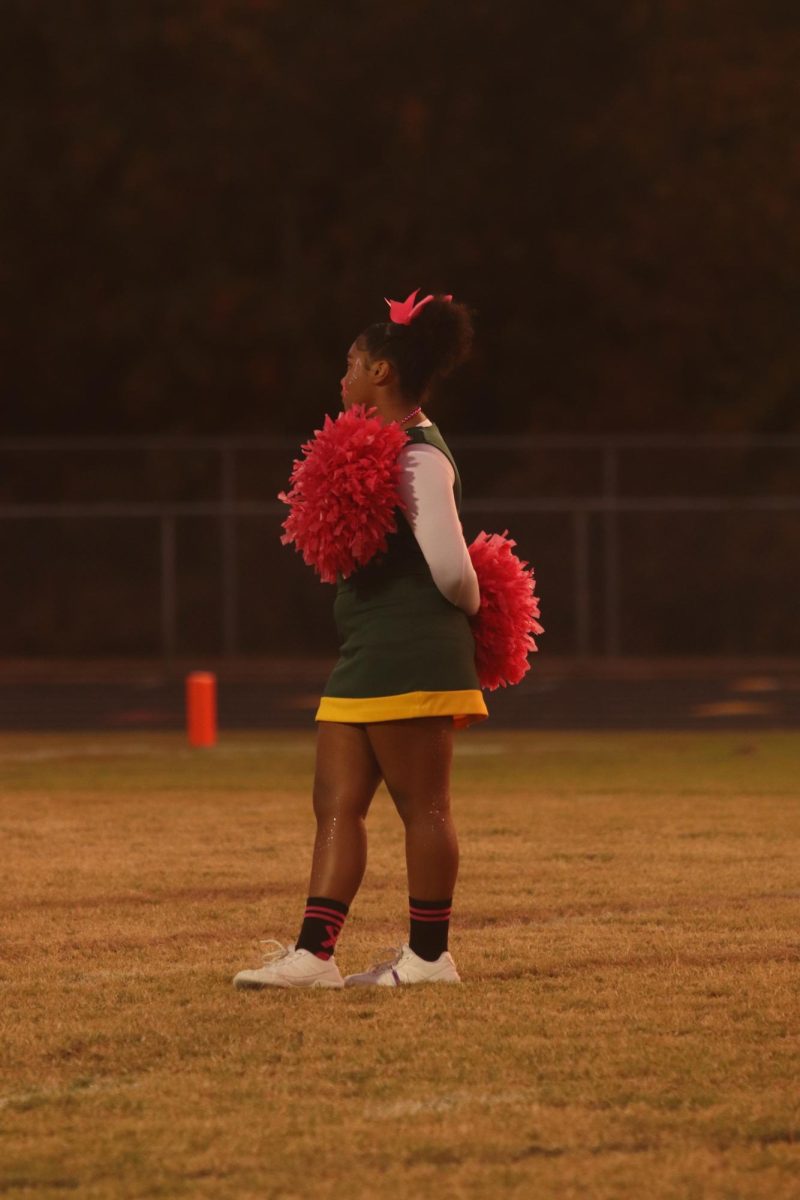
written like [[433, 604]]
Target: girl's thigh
[[414, 756], [347, 773]]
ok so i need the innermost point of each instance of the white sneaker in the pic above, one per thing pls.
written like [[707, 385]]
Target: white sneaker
[[286, 967], [407, 967]]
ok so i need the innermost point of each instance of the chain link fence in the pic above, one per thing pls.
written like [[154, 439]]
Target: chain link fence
[[171, 546]]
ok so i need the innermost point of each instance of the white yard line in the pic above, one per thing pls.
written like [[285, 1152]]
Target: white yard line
[[446, 1103], [142, 750], [70, 1090]]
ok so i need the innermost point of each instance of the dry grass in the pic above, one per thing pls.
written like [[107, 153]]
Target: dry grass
[[626, 923]]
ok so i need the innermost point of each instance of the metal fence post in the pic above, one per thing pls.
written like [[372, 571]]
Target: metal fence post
[[580, 519], [611, 549], [228, 531], [169, 589]]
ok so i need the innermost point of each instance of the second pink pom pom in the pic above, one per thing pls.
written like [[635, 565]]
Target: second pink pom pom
[[506, 621]]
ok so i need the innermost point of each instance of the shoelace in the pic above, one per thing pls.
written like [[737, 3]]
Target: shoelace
[[397, 951], [281, 951]]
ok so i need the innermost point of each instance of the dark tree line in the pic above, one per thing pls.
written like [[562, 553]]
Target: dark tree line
[[203, 202]]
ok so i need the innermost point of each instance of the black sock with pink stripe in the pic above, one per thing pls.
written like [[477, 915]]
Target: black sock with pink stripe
[[322, 924], [430, 925]]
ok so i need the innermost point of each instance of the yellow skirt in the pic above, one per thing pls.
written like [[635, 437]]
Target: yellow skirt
[[465, 707]]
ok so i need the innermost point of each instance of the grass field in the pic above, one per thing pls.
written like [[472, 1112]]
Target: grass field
[[626, 924]]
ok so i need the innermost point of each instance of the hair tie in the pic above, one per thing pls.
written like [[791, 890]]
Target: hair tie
[[402, 312]]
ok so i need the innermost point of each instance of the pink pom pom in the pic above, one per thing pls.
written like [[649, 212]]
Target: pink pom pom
[[504, 624], [343, 494]]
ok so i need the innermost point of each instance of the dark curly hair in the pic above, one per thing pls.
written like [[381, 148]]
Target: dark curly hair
[[438, 340]]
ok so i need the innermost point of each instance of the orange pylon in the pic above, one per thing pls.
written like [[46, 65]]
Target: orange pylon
[[201, 708]]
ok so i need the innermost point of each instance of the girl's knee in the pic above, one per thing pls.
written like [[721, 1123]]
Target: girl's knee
[[427, 810], [330, 804]]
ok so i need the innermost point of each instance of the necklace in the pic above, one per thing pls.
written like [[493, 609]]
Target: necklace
[[413, 413]]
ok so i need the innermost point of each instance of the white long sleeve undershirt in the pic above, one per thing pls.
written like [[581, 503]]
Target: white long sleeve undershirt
[[426, 486]]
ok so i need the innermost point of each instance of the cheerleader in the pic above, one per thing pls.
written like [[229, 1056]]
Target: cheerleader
[[406, 676]]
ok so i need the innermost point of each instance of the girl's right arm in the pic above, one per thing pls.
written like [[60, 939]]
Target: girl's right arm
[[426, 486]]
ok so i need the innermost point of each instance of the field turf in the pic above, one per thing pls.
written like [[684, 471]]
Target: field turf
[[626, 924]]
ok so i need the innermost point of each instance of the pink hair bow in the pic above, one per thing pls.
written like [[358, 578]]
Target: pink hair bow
[[402, 312]]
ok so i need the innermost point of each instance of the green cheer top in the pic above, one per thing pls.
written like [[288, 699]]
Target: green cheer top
[[405, 650]]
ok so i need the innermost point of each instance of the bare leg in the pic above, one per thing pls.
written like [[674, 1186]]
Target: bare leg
[[346, 778], [414, 757]]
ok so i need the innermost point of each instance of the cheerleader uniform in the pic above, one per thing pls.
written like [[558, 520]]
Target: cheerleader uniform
[[406, 646]]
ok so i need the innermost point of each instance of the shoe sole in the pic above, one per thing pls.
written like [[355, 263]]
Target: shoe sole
[[252, 985], [350, 983]]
